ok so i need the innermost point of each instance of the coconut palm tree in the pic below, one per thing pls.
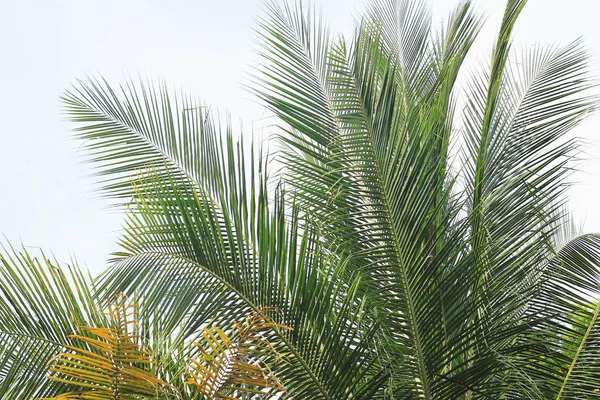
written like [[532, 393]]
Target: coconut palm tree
[[410, 233]]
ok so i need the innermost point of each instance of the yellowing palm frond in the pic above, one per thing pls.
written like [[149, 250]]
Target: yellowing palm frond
[[231, 367], [112, 365]]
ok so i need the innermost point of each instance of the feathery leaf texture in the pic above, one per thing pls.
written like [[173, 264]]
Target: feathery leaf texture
[[414, 235], [112, 365], [229, 367]]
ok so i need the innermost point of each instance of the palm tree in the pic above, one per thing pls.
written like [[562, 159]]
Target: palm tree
[[409, 250]]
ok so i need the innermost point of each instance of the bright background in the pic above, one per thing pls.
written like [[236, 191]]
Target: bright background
[[201, 46]]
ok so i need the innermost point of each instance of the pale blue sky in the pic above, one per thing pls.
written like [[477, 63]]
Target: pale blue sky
[[201, 46]]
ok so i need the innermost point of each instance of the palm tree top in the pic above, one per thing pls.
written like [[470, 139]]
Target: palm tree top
[[410, 230]]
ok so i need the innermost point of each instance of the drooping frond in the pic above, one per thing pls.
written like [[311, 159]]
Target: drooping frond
[[228, 247], [137, 127], [569, 300], [582, 378]]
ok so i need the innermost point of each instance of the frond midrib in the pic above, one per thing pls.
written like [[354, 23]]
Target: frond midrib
[[579, 351], [395, 235]]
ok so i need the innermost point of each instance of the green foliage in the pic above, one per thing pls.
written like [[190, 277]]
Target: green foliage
[[400, 270]]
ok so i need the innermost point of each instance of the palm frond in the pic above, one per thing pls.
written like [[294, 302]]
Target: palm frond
[[129, 130], [225, 239], [112, 365], [231, 366], [41, 303], [568, 299]]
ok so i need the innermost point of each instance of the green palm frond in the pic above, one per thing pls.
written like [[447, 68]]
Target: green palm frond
[[143, 129], [582, 378], [569, 299], [41, 303]]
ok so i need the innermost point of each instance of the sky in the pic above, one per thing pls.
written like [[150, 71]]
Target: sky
[[204, 47]]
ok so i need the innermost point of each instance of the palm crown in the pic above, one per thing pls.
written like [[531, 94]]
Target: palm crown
[[396, 267]]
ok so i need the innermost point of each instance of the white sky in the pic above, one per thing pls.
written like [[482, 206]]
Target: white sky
[[202, 46]]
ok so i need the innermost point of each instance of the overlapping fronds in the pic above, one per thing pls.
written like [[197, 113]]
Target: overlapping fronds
[[403, 272], [569, 299], [457, 275], [41, 303], [43, 306], [380, 185], [211, 252]]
